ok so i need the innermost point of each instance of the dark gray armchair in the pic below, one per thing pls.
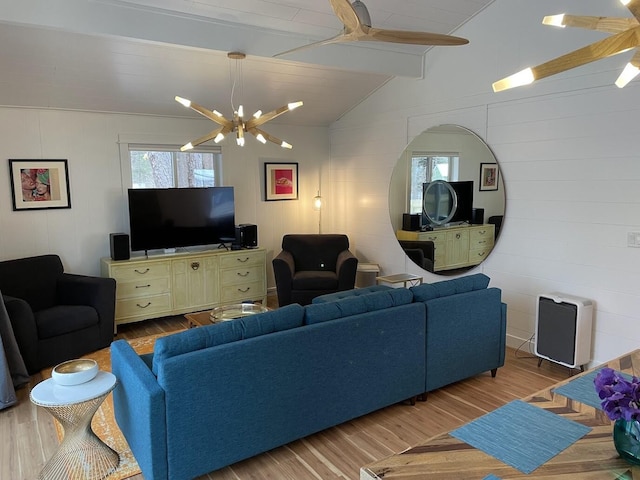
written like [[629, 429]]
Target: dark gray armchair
[[56, 316], [310, 265], [421, 252]]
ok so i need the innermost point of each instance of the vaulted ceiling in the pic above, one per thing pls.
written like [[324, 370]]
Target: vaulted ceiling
[[134, 56]]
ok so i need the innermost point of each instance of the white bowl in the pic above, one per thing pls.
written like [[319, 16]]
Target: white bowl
[[74, 372]]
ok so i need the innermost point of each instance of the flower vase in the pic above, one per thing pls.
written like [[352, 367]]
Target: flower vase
[[626, 438]]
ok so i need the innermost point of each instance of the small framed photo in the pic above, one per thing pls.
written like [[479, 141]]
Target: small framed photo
[[39, 184], [488, 176], [280, 181]]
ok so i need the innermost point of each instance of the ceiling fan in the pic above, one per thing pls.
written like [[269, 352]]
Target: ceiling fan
[[625, 36], [357, 28]]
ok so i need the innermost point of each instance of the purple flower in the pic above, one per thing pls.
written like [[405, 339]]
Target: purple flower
[[620, 397]]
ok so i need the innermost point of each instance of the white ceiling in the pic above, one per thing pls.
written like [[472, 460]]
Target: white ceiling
[[134, 56]]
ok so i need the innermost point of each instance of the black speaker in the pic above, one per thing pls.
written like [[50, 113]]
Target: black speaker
[[247, 235], [477, 216], [411, 222], [119, 243]]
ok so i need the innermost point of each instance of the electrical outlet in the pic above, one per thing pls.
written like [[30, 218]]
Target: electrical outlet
[[633, 239]]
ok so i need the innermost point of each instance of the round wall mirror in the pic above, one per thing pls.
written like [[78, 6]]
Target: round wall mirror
[[447, 200]]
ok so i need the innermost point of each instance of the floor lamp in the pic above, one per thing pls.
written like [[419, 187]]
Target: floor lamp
[[317, 205]]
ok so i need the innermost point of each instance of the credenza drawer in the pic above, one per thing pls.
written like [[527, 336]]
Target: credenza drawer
[[478, 255], [246, 291], [153, 304], [242, 259], [241, 275], [143, 287], [146, 270]]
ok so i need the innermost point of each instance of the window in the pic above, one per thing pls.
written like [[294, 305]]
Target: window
[[429, 167], [154, 166]]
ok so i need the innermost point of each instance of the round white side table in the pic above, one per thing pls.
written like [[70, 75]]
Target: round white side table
[[81, 455]]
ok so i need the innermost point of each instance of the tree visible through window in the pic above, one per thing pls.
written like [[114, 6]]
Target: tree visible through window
[[162, 167], [427, 168]]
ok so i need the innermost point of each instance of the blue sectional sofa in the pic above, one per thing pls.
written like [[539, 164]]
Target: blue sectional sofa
[[215, 395]]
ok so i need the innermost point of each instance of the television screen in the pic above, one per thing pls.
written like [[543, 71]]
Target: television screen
[[464, 192], [180, 217]]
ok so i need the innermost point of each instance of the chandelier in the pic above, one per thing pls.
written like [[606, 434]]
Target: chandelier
[[237, 124], [625, 36]]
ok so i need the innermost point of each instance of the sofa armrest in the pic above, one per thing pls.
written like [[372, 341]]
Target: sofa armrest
[[139, 407], [24, 329], [96, 292], [283, 270], [346, 267]]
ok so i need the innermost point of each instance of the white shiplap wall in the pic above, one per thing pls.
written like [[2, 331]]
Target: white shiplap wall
[[89, 141], [568, 150]]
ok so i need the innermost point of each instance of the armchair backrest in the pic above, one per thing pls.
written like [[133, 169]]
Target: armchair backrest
[[32, 279], [315, 251]]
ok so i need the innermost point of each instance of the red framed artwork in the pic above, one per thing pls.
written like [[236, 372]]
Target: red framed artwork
[[281, 181]]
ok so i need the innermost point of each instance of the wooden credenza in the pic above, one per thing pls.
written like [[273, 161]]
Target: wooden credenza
[[172, 284], [456, 247]]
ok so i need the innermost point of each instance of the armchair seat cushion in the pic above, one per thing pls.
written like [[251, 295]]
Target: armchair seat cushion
[[315, 280], [62, 319]]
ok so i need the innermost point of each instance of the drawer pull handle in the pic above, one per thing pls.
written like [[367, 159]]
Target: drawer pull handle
[[195, 265], [482, 232], [143, 306], [246, 259], [141, 272], [244, 290], [458, 236], [482, 241], [143, 286], [245, 274], [481, 254]]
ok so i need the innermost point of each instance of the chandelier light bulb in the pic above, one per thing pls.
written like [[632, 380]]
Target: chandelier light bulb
[[186, 147], [217, 113], [625, 2], [628, 74], [554, 20], [258, 114], [524, 77], [218, 138], [240, 111], [286, 145], [294, 105], [261, 138], [183, 101]]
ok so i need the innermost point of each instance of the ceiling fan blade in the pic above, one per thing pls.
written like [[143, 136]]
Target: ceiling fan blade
[[601, 49], [262, 119], [409, 37], [346, 13], [336, 39], [601, 24], [634, 8]]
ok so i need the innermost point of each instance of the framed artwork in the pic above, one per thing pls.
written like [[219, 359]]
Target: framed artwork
[[280, 181], [488, 176], [39, 184]]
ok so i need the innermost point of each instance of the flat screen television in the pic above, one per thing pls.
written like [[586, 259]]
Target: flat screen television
[[180, 217], [464, 192]]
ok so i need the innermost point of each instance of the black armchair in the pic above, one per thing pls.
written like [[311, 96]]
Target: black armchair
[[421, 252], [310, 265], [56, 316]]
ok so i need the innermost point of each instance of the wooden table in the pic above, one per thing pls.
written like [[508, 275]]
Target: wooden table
[[591, 457], [407, 279]]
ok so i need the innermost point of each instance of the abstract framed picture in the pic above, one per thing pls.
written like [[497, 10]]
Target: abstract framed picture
[[39, 184], [488, 176], [280, 181]]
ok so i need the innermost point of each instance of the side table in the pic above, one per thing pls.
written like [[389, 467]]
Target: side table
[[404, 278], [81, 455]]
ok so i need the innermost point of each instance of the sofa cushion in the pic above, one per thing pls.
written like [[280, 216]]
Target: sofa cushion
[[355, 292], [314, 280], [284, 318], [354, 305], [56, 321], [468, 283]]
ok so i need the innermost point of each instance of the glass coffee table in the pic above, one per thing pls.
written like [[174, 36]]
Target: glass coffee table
[[224, 313], [407, 279]]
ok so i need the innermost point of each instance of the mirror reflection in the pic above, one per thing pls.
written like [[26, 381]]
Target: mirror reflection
[[447, 200]]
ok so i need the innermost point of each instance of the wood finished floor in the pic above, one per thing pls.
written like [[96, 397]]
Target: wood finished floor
[[29, 436]]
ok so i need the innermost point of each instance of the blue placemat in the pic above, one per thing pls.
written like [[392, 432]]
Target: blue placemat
[[583, 390], [521, 435], [491, 477]]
